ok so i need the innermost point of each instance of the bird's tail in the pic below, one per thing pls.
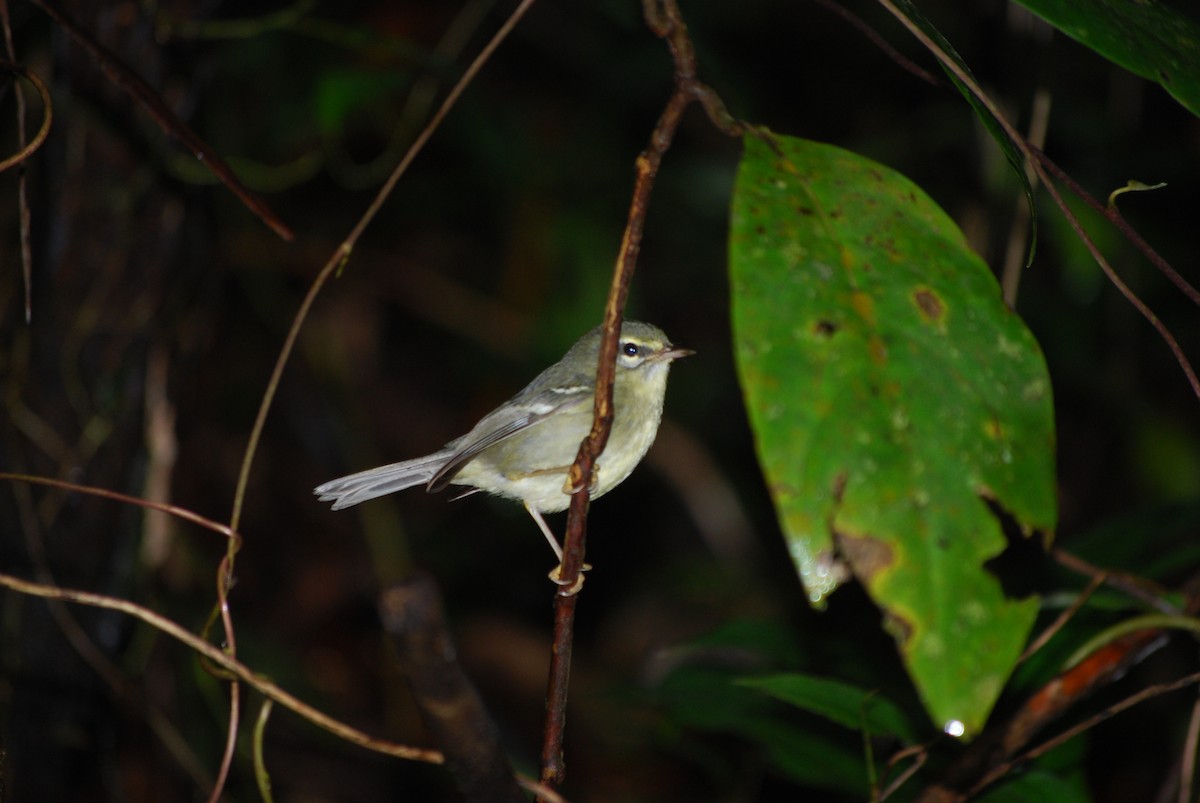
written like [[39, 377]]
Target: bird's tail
[[354, 488]]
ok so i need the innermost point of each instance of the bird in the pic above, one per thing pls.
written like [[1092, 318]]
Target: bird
[[524, 448]]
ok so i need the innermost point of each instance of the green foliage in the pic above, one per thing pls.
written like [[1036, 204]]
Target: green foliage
[[883, 376], [893, 396], [1148, 38], [713, 700], [839, 702], [709, 694]]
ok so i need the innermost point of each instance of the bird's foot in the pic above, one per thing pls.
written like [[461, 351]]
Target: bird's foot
[[557, 578], [570, 489]]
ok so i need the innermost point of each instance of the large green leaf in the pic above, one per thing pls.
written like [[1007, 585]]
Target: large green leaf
[[892, 397], [1147, 37]]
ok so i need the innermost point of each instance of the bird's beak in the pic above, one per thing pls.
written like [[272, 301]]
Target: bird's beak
[[670, 353]]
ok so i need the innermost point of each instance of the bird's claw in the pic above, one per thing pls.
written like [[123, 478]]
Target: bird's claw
[[574, 587], [570, 489]]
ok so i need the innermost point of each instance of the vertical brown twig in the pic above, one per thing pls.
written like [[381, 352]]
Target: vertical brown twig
[[664, 19], [22, 191], [1187, 762]]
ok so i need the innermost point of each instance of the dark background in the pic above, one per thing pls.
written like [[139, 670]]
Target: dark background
[[492, 256]]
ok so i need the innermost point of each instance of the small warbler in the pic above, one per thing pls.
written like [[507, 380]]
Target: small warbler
[[524, 448]]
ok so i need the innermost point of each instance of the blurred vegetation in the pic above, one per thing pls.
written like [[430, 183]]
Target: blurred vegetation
[[158, 298]]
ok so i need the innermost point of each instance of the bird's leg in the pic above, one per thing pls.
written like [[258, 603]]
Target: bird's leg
[[556, 572], [545, 528]]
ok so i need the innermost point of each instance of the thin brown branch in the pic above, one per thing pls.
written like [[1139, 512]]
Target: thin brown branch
[[25, 148], [1083, 727], [208, 652], [919, 755], [994, 754], [137, 88], [224, 583], [222, 589], [1138, 588], [664, 19], [1117, 219], [875, 38], [80, 640], [335, 263], [1061, 620], [219, 657], [1187, 762], [342, 254], [104, 493], [1028, 153], [1017, 253]]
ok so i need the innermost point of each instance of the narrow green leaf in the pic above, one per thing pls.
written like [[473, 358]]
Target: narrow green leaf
[[707, 699], [839, 702], [892, 397], [1148, 37]]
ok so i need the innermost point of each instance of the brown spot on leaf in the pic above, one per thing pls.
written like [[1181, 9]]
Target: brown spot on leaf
[[877, 350], [839, 487], [867, 556], [929, 304], [993, 429], [864, 305]]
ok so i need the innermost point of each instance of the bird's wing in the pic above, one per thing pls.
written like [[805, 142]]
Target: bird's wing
[[526, 409]]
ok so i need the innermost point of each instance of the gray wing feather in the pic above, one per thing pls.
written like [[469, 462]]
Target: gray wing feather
[[559, 387], [525, 410]]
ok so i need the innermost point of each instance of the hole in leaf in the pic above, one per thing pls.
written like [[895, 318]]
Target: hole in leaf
[[1021, 568]]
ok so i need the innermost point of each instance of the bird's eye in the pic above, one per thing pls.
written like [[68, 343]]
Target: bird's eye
[[630, 348]]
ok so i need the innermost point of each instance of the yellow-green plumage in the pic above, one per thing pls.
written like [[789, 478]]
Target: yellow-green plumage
[[523, 449]]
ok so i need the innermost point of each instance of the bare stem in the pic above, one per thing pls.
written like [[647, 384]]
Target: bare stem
[[1035, 159], [219, 657], [664, 19]]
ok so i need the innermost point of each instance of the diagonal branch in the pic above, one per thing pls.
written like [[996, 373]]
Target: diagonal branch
[[1034, 159], [136, 87], [219, 657]]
